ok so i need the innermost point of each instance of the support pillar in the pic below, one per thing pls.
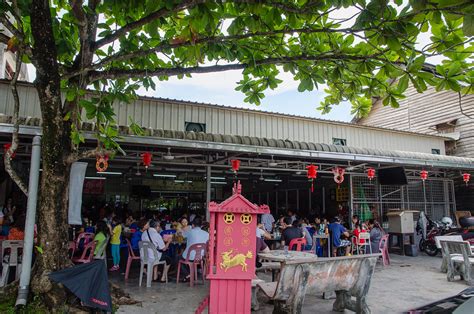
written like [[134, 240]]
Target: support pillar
[[30, 223], [208, 190]]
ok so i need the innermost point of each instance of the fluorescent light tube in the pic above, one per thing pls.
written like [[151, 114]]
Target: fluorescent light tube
[[110, 172], [164, 175], [272, 180], [95, 178]]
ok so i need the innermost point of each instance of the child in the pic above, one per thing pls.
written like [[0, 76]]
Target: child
[[115, 242]]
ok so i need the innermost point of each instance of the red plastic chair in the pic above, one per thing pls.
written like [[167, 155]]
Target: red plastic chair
[[131, 257], [87, 254], [300, 243], [72, 249], [86, 236], [383, 248], [197, 248]]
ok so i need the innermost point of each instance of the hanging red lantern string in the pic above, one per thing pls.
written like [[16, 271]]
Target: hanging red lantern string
[[102, 163], [466, 177], [423, 175], [312, 172], [235, 165], [338, 174], [6, 147], [146, 159], [370, 173]]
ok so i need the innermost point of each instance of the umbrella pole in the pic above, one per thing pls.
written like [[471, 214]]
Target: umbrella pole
[[30, 223]]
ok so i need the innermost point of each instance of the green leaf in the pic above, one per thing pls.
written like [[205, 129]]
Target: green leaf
[[403, 83], [39, 249], [468, 25], [393, 43]]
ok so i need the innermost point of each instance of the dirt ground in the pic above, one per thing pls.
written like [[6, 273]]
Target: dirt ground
[[407, 283]]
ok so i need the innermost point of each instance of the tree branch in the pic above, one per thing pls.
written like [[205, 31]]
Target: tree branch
[[145, 20], [4, 38], [115, 73], [207, 40], [16, 127]]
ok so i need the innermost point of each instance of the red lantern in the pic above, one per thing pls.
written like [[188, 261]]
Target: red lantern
[[102, 163], [466, 177], [146, 158], [235, 165], [312, 172], [424, 175], [6, 147], [371, 173]]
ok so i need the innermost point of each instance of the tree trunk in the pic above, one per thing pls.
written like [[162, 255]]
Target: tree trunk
[[55, 145]]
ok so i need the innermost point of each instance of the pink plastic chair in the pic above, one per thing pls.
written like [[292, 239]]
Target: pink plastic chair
[[383, 248], [87, 254], [72, 249], [300, 243], [197, 248], [87, 236], [131, 257]]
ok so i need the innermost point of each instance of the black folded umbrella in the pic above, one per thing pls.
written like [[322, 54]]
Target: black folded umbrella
[[89, 282]]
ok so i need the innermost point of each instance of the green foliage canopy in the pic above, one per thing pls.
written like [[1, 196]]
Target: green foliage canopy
[[119, 45]]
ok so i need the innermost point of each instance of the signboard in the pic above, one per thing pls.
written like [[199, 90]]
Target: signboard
[[95, 187]]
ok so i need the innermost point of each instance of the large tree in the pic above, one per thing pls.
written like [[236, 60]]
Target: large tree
[[116, 46]]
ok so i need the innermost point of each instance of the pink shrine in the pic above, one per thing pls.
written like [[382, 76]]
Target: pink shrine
[[232, 253]]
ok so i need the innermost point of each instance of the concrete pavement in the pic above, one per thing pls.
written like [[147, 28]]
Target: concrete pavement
[[407, 283]]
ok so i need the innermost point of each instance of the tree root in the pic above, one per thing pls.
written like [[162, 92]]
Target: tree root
[[120, 297]]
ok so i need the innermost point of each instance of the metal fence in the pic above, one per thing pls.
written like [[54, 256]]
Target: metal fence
[[372, 200]]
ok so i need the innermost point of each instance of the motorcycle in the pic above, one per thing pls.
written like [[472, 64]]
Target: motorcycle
[[430, 229]]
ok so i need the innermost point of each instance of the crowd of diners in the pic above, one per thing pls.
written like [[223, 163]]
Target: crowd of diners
[[344, 235], [172, 236]]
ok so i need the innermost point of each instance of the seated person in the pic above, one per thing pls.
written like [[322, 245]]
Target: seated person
[[337, 230], [261, 232], [102, 231], [306, 234], [290, 232], [376, 234], [152, 234], [137, 235], [17, 230], [193, 236], [261, 247]]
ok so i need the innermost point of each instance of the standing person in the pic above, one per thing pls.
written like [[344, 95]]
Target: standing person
[[101, 233], [8, 211], [291, 215], [116, 231], [152, 235], [290, 232], [376, 234], [193, 236], [268, 222], [337, 231]]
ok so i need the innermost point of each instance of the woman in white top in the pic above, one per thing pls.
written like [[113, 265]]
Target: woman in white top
[[152, 234]]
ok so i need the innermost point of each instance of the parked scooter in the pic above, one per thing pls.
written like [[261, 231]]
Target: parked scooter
[[430, 229]]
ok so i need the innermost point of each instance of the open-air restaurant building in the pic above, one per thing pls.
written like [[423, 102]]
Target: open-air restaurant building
[[193, 145]]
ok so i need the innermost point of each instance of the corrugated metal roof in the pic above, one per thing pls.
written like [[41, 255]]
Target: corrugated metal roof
[[177, 101], [255, 141], [255, 145]]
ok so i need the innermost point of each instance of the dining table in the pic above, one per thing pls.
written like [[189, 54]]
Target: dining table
[[287, 256]]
